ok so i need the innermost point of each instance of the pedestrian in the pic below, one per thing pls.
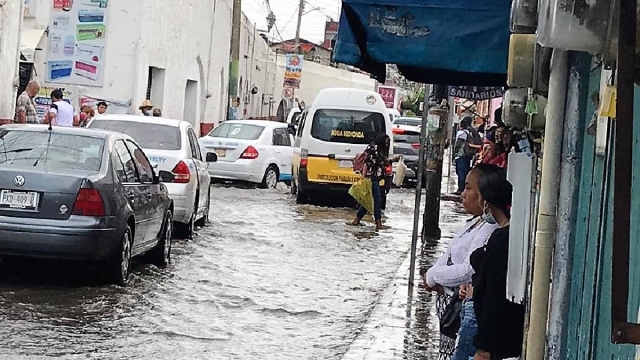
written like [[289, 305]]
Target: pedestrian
[[89, 114], [468, 143], [157, 112], [102, 107], [376, 160], [452, 269], [500, 322], [494, 198], [503, 147], [146, 107], [61, 112], [25, 106]]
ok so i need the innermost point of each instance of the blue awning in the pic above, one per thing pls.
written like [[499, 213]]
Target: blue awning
[[448, 42]]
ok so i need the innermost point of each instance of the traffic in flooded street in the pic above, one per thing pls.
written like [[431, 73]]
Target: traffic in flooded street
[[267, 279]]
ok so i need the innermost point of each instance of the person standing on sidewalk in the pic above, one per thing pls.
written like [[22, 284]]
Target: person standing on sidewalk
[[468, 143], [25, 107], [453, 269], [495, 194], [61, 112]]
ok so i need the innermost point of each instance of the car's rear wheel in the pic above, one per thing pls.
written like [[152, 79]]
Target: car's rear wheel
[[270, 180], [161, 254], [119, 264], [187, 230], [205, 218]]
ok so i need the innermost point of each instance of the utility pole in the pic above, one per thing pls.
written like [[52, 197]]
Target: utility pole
[[11, 12], [234, 61], [300, 13], [437, 135]]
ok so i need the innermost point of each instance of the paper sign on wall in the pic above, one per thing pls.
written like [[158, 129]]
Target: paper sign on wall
[[77, 40]]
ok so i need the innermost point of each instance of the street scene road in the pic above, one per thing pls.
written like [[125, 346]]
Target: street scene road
[[268, 279]]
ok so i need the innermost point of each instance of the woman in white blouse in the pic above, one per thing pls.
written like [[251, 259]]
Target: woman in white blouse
[[453, 268]]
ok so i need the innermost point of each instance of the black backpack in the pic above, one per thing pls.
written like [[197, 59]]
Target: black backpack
[[473, 137]]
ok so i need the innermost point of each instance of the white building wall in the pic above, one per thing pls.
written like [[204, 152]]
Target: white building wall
[[10, 15]]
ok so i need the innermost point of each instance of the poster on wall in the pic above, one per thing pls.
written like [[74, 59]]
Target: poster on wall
[[43, 99], [293, 71], [113, 107], [77, 39], [389, 96]]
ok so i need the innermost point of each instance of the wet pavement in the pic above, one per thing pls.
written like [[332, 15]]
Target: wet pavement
[[268, 279]]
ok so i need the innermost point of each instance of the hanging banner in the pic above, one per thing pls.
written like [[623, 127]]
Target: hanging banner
[[43, 99], [293, 71], [389, 95], [476, 92], [77, 40], [113, 107]]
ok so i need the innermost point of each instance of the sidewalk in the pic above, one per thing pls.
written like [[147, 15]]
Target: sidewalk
[[400, 326]]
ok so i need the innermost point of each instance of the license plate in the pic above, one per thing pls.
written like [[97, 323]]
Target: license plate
[[18, 199], [220, 152], [345, 164]]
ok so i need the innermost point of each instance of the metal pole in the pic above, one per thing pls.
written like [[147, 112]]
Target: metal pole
[[234, 62], [416, 210]]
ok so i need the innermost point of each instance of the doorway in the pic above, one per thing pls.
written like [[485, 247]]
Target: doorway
[[190, 110]]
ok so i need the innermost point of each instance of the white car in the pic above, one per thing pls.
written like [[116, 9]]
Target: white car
[[255, 151], [171, 145], [409, 123]]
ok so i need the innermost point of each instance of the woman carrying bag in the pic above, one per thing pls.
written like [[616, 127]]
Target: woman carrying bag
[[453, 268]]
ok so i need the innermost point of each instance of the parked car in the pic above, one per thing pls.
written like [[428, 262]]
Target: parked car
[[255, 151], [407, 144], [79, 194], [172, 145], [409, 123]]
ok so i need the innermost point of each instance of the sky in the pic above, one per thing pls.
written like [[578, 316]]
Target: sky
[[286, 12]]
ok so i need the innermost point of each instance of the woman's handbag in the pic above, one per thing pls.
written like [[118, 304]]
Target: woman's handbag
[[450, 319]]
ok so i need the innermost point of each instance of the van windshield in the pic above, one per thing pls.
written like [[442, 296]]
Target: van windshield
[[347, 126]]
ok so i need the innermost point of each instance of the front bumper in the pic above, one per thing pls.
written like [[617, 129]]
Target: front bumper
[[78, 238]]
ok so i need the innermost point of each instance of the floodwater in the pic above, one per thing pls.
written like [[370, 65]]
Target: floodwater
[[268, 279]]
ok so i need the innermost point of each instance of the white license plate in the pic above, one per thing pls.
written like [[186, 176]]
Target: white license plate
[[220, 152], [345, 164], [19, 199]]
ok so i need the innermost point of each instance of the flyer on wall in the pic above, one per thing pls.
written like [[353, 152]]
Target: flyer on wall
[[77, 40]]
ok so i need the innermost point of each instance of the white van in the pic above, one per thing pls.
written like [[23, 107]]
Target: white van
[[339, 125]]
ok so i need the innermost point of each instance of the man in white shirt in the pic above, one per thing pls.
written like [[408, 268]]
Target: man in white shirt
[[61, 112]]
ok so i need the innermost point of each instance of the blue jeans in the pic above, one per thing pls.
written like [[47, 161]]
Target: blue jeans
[[463, 166], [377, 201], [468, 330]]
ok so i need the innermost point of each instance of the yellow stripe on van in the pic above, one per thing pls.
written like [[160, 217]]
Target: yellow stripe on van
[[325, 170]]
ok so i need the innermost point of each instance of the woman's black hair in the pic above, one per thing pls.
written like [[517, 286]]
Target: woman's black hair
[[381, 143], [494, 187]]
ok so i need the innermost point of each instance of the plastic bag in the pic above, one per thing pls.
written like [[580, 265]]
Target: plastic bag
[[363, 193], [401, 172]]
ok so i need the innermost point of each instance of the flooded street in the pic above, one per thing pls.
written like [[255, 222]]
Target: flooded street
[[268, 279]]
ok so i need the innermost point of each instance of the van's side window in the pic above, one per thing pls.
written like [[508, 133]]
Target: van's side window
[[303, 121]]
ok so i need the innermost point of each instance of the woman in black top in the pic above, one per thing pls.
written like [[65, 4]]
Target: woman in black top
[[377, 158], [500, 322]]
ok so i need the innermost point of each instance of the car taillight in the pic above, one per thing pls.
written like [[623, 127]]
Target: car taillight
[[416, 145], [88, 203], [182, 173], [304, 158], [250, 153]]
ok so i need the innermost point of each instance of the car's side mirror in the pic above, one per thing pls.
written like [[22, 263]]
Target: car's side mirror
[[212, 157], [166, 176]]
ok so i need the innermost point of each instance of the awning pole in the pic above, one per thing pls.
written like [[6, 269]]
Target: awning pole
[[416, 210]]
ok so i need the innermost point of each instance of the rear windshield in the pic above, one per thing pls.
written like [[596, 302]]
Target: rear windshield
[[408, 121], [407, 138], [237, 131], [148, 136], [347, 126], [42, 150]]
